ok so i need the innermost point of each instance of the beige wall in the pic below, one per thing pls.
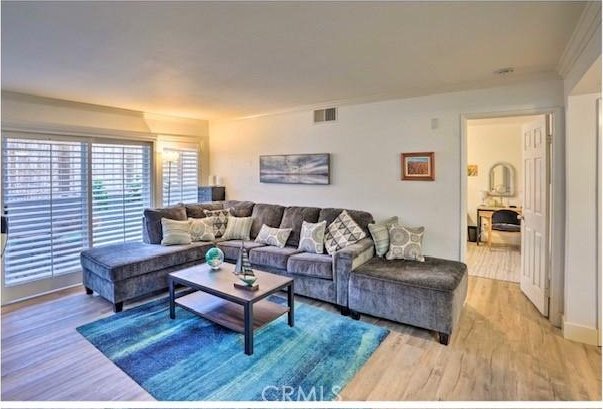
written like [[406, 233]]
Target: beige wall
[[365, 145]]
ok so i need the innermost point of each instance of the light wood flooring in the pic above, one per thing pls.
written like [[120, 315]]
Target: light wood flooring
[[502, 350], [501, 262]]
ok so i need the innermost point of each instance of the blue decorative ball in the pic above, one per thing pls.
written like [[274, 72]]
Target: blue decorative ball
[[214, 258]]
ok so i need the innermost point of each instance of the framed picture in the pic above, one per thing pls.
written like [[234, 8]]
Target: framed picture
[[306, 169], [418, 166], [471, 170]]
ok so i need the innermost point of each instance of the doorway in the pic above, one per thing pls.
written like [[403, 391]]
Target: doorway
[[507, 201], [494, 183]]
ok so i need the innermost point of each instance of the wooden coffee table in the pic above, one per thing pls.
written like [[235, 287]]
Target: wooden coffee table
[[219, 301]]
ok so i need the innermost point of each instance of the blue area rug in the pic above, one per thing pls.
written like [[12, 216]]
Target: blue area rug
[[191, 358]]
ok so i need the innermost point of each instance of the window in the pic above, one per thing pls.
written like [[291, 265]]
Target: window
[[120, 192], [180, 175], [44, 195], [63, 196]]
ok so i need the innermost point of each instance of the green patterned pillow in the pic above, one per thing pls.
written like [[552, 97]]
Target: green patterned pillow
[[380, 234], [273, 236], [405, 243], [202, 229], [175, 232], [312, 237], [238, 228]]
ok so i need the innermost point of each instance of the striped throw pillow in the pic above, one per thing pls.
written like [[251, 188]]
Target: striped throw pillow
[[380, 233], [237, 228]]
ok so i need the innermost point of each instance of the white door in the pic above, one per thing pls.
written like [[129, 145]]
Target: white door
[[534, 229]]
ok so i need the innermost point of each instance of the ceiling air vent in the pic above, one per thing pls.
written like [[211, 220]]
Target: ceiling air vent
[[325, 115]]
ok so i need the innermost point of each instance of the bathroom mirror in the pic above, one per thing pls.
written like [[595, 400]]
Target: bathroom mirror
[[502, 180]]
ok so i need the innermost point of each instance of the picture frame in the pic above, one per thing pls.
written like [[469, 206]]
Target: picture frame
[[304, 169], [418, 166]]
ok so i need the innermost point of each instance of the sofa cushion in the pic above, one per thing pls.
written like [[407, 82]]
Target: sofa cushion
[[380, 234], [273, 236], [116, 262], [343, 232], [231, 247], [405, 243], [312, 237], [362, 218], [239, 208], [434, 273], [152, 221], [237, 228], [202, 229], [311, 265], [293, 217], [271, 256], [197, 210], [220, 220], [175, 232], [268, 214]]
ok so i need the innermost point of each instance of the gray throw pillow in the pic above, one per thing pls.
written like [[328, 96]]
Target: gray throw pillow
[[273, 236], [312, 237], [343, 232], [220, 221], [380, 234], [238, 228], [405, 243], [175, 232]]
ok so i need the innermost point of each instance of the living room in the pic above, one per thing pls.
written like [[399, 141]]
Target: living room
[[164, 103]]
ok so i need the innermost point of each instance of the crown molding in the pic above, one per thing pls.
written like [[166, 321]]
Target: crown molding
[[587, 26]]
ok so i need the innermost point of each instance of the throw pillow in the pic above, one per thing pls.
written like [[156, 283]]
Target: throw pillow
[[273, 236], [343, 232], [380, 234], [238, 228], [152, 220], [405, 243], [175, 232], [312, 237], [202, 229], [220, 221]]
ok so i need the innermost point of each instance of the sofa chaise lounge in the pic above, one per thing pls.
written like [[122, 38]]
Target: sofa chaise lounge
[[428, 295]]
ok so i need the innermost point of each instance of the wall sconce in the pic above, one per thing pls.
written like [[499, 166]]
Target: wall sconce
[[170, 157]]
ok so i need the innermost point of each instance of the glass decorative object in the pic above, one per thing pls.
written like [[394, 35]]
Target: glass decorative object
[[214, 258]]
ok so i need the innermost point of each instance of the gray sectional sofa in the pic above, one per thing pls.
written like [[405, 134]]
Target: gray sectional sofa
[[428, 295]]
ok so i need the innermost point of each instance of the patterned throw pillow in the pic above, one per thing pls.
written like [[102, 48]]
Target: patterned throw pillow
[[380, 234], [312, 237], [273, 236], [175, 232], [342, 232], [238, 228], [202, 229], [220, 221], [405, 243]]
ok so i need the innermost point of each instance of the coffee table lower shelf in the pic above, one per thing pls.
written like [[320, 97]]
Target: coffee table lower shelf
[[229, 314]]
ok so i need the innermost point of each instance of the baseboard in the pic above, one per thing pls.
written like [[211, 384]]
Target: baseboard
[[29, 297], [580, 333]]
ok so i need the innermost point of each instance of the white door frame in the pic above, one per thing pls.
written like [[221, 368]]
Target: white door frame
[[556, 200]]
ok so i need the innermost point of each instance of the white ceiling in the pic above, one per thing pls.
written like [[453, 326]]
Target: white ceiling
[[216, 60]]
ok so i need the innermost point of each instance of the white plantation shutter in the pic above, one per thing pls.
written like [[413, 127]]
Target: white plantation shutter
[[180, 178], [120, 192], [62, 197], [44, 196]]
